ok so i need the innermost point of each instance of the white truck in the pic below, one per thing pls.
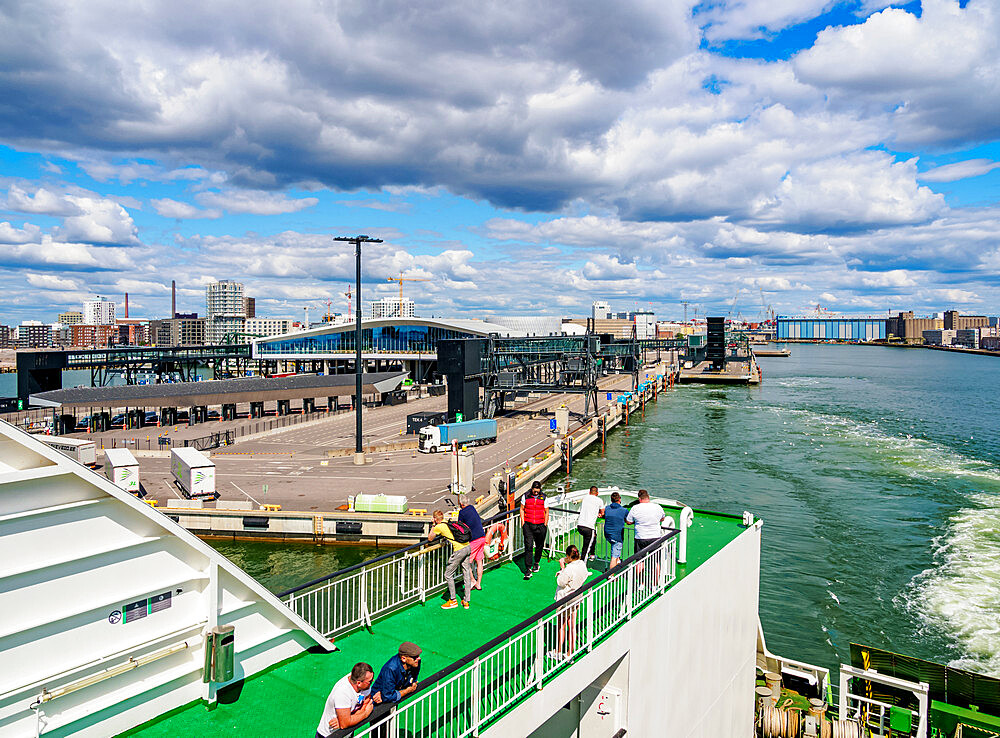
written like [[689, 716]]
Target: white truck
[[122, 469], [193, 472], [434, 438], [83, 451]]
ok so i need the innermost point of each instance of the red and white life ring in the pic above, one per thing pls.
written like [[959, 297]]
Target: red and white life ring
[[496, 541]]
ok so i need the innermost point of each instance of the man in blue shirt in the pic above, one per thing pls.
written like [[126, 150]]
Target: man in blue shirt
[[398, 677], [470, 516], [614, 527]]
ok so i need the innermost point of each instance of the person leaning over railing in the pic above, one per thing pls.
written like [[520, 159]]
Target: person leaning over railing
[[591, 507], [349, 702], [460, 556], [396, 679], [469, 515], [614, 527], [646, 516]]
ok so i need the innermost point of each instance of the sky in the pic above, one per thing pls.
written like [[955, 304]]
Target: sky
[[519, 159]]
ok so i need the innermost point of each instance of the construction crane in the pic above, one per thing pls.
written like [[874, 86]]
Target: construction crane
[[348, 296], [735, 298], [402, 279]]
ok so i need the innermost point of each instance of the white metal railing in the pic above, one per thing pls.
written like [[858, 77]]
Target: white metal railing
[[862, 709], [354, 597], [563, 532], [468, 696]]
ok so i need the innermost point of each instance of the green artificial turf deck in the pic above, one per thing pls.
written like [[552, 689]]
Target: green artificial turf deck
[[288, 699]]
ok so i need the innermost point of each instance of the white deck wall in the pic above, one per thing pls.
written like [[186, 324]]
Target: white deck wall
[[74, 550], [691, 659]]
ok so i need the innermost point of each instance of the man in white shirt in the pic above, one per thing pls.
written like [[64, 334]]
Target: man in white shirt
[[349, 702], [646, 516], [591, 508]]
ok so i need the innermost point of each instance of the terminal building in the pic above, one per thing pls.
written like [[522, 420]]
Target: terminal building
[[407, 344], [857, 330]]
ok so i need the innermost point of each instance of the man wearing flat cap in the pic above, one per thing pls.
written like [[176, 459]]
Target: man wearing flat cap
[[398, 677]]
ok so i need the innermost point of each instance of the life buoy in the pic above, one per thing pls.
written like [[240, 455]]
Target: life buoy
[[496, 541]]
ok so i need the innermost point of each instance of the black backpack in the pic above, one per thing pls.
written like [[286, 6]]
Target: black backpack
[[459, 531]]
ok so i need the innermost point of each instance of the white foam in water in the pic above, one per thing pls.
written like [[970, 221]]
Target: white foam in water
[[915, 457], [961, 595]]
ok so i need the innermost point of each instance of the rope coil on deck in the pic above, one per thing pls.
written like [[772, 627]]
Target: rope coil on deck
[[776, 723]]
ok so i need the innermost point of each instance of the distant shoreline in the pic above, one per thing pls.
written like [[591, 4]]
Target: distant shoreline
[[952, 349]]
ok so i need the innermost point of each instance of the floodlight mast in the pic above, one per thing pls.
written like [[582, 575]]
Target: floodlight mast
[[359, 454]]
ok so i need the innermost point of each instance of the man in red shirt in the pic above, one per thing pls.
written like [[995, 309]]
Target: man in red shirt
[[534, 525]]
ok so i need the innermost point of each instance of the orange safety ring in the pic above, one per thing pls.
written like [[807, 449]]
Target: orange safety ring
[[496, 541]]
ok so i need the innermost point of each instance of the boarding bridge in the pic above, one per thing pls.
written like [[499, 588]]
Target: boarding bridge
[[648, 641]]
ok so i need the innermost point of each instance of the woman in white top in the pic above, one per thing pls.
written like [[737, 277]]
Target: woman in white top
[[572, 575]]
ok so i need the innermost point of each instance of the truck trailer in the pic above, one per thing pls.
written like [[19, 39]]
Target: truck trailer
[[84, 451], [435, 438], [121, 468], [193, 472]]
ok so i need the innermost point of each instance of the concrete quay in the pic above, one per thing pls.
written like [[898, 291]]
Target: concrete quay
[[295, 469]]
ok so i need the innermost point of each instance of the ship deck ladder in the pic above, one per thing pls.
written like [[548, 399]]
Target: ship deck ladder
[[318, 526]]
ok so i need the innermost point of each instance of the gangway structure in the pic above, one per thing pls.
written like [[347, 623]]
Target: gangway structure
[[500, 367], [667, 635]]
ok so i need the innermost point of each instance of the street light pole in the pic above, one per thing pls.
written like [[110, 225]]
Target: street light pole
[[359, 454]]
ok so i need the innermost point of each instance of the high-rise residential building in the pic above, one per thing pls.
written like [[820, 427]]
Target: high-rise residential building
[[250, 307], [600, 310], [393, 307], [99, 312], [5, 338], [70, 317], [225, 310]]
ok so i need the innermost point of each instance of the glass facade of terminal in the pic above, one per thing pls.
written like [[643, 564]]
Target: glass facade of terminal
[[831, 329], [397, 339]]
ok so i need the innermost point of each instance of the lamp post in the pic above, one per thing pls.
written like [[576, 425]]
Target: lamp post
[[359, 454]]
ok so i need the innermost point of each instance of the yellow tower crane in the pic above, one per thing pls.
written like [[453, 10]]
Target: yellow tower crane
[[402, 279]]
